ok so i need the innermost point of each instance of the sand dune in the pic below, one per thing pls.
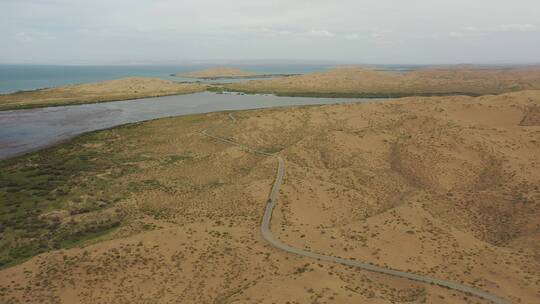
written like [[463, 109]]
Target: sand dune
[[442, 186], [362, 82]]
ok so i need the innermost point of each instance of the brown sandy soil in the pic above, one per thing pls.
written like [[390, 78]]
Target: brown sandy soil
[[442, 186], [363, 82], [120, 89], [219, 72]]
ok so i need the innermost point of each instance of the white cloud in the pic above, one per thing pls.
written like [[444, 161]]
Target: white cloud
[[352, 36], [320, 33], [273, 32], [473, 31], [376, 35], [29, 37], [109, 31], [466, 33], [517, 28]]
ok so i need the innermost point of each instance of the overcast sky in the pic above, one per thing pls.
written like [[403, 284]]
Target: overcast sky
[[354, 31]]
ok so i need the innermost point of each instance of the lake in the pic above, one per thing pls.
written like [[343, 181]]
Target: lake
[[22, 131]]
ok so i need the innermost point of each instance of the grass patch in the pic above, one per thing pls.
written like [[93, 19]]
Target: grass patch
[[145, 185], [176, 158], [373, 95], [368, 94], [39, 192], [217, 89], [89, 235], [59, 103]]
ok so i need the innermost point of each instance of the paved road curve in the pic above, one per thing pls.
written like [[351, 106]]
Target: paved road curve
[[267, 235]]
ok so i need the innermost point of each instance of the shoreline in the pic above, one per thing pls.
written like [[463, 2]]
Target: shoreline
[[235, 77], [60, 104], [219, 90], [75, 137], [127, 88], [77, 103], [366, 95]]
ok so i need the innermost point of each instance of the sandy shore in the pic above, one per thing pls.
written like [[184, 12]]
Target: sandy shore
[[112, 90]]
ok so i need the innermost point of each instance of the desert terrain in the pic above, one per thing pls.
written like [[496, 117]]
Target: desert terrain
[[120, 89], [358, 82], [156, 212], [348, 81]]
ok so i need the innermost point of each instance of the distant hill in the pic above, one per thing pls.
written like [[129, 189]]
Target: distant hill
[[118, 89], [219, 72], [358, 82]]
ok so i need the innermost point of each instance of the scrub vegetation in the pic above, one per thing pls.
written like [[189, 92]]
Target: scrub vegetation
[[61, 196], [445, 187], [363, 83]]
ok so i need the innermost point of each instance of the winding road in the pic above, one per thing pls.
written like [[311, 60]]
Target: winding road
[[267, 235]]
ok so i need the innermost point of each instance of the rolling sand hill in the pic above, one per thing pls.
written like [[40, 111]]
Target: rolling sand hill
[[157, 213], [219, 72], [120, 89], [368, 83]]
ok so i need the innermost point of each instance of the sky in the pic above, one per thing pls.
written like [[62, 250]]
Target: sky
[[342, 31]]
